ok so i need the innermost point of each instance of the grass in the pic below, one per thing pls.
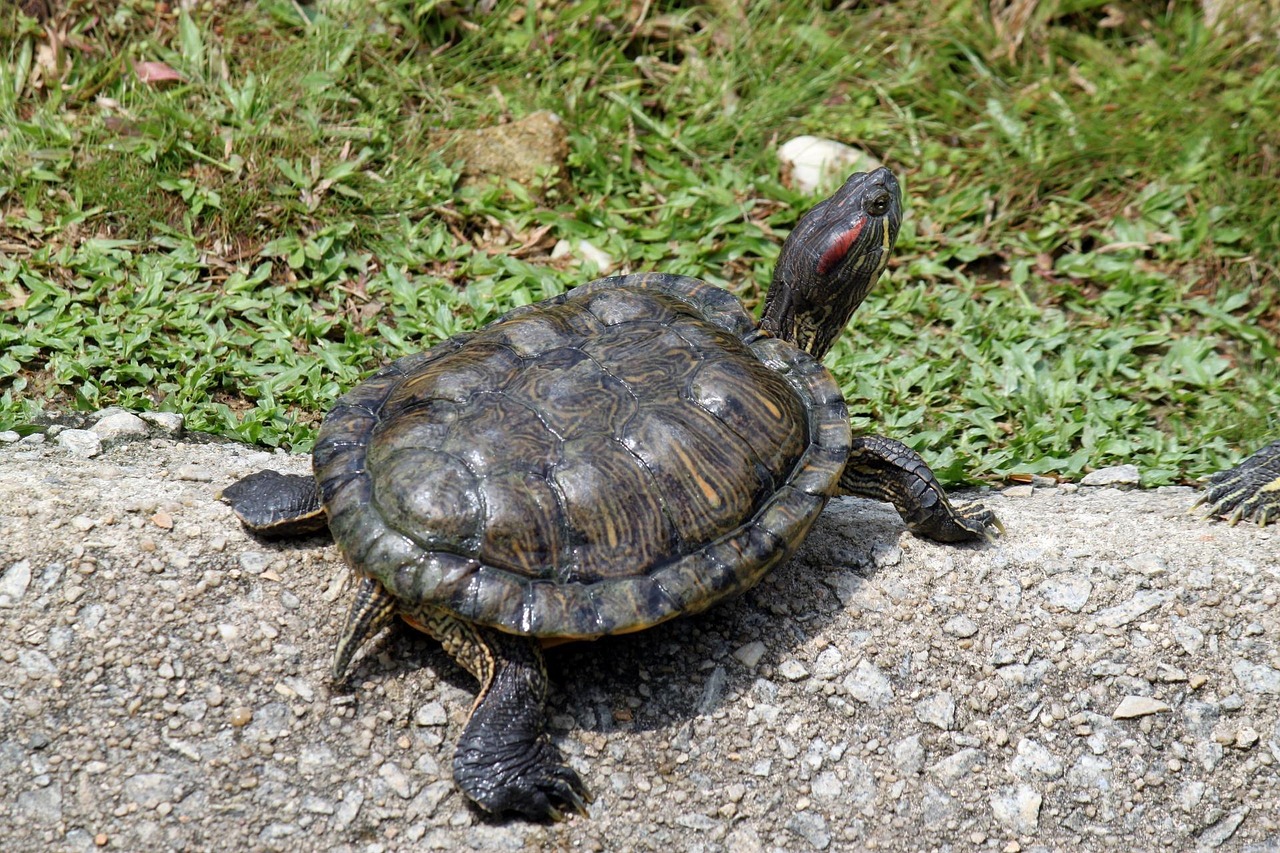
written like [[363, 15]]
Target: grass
[[1086, 276]]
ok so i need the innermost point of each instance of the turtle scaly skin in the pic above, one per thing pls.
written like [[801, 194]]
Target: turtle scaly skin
[[636, 449], [1250, 490]]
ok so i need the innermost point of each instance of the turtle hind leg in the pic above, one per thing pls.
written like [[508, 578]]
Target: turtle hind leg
[[372, 610], [271, 504], [886, 470], [504, 761], [1249, 490]]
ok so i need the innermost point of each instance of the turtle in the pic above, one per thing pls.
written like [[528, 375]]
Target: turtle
[[635, 449], [1249, 490]]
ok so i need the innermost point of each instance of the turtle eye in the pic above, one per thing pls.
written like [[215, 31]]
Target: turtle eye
[[879, 205]]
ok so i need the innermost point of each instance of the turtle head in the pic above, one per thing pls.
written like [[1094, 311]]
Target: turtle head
[[832, 258]]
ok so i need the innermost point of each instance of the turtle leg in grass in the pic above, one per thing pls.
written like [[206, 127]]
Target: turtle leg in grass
[[272, 504], [887, 470], [1250, 490], [503, 761]]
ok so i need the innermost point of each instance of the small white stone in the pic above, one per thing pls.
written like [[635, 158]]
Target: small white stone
[[396, 779], [868, 684], [586, 251], [829, 664], [1017, 808], [1034, 761], [960, 626], [14, 583], [937, 710], [1123, 614], [1116, 475], [1256, 677], [431, 714], [1137, 706], [1069, 591], [170, 423], [813, 163], [118, 426], [80, 442], [750, 654], [792, 670]]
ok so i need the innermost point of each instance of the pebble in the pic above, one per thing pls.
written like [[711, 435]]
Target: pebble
[[1138, 706], [1123, 614], [8, 436], [14, 583], [1017, 808], [713, 690], [812, 828], [1069, 591], [826, 786], [744, 839], [240, 716], [868, 684], [586, 251], [955, 767], [42, 805], [792, 670], [811, 163], [193, 474], [937, 710], [431, 714], [1034, 761], [1116, 475], [170, 423], [750, 654], [908, 755], [1217, 834], [254, 562], [1090, 773], [960, 626], [829, 664], [120, 426], [345, 813], [396, 779], [149, 790], [885, 556], [80, 442], [1256, 677]]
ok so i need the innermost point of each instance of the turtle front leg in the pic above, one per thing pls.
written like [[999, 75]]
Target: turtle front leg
[[504, 761], [1249, 490], [886, 470]]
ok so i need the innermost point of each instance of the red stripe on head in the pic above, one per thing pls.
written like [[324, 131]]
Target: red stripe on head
[[832, 257]]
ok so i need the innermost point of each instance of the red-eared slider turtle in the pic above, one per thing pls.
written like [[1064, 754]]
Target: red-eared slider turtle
[[1249, 490], [633, 450]]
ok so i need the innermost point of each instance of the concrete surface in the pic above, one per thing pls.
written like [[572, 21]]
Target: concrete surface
[[1106, 676]]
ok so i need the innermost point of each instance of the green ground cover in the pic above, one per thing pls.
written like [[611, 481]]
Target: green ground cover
[[1087, 273]]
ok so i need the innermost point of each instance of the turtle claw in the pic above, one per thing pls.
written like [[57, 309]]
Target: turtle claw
[[536, 785], [979, 521]]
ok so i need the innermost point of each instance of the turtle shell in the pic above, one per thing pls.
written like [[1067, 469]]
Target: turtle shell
[[593, 464]]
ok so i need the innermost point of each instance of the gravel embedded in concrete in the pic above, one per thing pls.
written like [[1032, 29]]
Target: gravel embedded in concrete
[[1107, 670]]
